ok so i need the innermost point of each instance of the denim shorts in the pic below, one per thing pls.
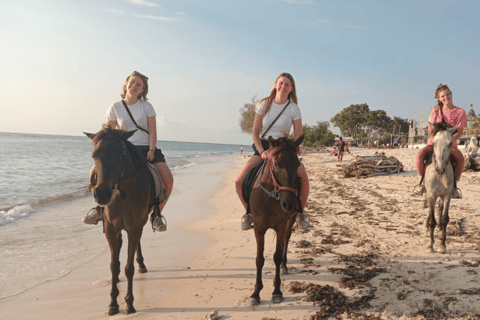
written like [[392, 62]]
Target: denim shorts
[[159, 157], [265, 144]]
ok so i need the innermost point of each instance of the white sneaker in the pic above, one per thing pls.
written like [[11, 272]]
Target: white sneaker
[[247, 221], [456, 194], [92, 216], [419, 190], [160, 224], [302, 221]]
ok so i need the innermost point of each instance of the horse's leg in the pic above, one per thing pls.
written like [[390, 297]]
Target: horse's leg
[[277, 295], [431, 223], [112, 238], [444, 222], [260, 260], [133, 242], [141, 266], [288, 233], [119, 245]]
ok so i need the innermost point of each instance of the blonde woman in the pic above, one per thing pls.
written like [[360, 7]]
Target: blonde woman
[[134, 95], [283, 96]]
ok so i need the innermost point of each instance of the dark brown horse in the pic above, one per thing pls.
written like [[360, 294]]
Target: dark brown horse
[[124, 191], [274, 205]]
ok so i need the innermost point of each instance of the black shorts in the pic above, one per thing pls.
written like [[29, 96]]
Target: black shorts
[[159, 157], [265, 144]]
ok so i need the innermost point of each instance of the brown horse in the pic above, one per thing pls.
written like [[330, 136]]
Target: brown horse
[[274, 205], [124, 191]]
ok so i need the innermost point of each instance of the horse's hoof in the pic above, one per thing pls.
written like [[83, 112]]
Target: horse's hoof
[[142, 270], [130, 310], [429, 250], [113, 310], [254, 302], [284, 271], [277, 298], [443, 249]]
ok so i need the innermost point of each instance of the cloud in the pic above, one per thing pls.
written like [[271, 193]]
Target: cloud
[[159, 18], [117, 11], [300, 1], [144, 3]]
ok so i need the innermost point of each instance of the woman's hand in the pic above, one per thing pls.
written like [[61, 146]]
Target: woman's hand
[[150, 155], [265, 155]]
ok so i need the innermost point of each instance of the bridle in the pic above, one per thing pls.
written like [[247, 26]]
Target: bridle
[[275, 193]]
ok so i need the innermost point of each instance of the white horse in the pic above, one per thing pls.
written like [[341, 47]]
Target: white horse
[[439, 180]]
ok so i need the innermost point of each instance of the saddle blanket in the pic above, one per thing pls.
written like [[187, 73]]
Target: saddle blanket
[[160, 189]]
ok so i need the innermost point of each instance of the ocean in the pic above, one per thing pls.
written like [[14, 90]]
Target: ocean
[[44, 196], [39, 170]]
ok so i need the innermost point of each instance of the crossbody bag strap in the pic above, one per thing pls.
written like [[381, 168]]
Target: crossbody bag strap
[[131, 117], [263, 135]]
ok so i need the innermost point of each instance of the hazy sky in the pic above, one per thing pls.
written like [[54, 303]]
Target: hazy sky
[[63, 61]]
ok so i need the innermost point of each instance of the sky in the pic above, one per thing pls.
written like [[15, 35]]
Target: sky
[[63, 62]]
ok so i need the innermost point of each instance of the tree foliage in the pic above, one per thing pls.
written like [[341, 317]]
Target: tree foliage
[[247, 115], [351, 120], [318, 135]]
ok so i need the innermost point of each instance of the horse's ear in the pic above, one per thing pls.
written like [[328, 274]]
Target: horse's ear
[[453, 130], [299, 141], [272, 141], [126, 135], [90, 135]]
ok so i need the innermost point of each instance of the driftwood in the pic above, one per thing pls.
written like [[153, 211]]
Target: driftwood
[[371, 166]]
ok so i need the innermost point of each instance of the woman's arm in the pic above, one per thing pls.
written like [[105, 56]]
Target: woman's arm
[[257, 128], [297, 128], [152, 137]]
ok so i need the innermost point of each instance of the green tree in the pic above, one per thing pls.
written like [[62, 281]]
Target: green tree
[[318, 135], [351, 120], [247, 115]]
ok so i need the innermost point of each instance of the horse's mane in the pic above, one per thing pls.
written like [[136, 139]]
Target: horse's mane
[[438, 126], [107, 133], [285, 143]]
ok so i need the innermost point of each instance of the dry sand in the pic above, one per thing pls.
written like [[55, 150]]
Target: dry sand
[[364, 257]]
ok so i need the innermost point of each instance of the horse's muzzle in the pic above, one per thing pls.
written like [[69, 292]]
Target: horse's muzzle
[[102, 195], [289, 204]]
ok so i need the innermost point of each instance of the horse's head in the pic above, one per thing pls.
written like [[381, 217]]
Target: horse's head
[[110, 148], [284, 166], [442, 145]]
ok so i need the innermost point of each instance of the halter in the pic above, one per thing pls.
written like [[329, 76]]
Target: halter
[[275, 193]]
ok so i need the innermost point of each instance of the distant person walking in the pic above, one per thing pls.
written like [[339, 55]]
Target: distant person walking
[[454, 116], [281, 102], [341, 149], [241, 149], [119, 116]]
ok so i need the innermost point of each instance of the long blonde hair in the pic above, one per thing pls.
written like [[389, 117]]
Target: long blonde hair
[[141, 96], [269, 99]]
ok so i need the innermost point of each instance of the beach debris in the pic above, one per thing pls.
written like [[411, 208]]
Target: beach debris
[[212, 316], [371, 166]]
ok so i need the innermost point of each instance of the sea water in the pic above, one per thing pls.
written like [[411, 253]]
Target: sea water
[[43, 181]]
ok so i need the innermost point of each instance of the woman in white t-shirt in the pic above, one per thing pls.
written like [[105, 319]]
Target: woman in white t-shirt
[[134, 94], [267, 110]]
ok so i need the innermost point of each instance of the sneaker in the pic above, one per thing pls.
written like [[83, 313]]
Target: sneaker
[[247, 221], [92, 216], [456, 193], [419, 190], [160, 224], [302, 221]]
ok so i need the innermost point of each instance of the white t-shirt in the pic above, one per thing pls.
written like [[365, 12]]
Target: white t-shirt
[[283, 126], [140, 111]]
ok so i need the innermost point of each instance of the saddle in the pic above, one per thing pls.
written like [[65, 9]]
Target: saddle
[[250, 180]]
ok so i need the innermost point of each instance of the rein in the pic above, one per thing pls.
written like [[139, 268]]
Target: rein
[[275, 193]]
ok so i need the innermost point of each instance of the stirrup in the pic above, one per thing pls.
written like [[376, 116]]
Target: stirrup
[[457, 195], [159, 224], [302, 220], [418, 190]]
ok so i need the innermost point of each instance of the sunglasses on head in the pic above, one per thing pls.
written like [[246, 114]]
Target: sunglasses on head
[[138, 74]]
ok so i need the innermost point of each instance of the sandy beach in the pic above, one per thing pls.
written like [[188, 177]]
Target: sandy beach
[[364, 256]]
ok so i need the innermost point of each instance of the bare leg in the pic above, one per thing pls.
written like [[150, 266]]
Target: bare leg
[[167, 178], [304, 187]]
